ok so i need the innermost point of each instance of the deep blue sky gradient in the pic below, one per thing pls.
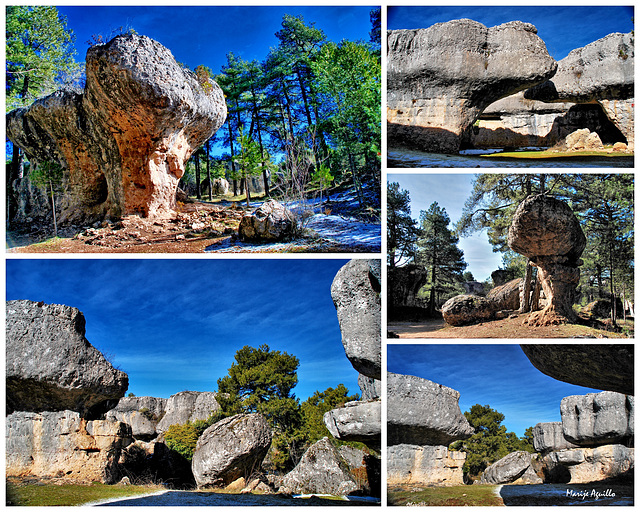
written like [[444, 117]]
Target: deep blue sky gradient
[[500, 376], [562, 28], [176, 324]]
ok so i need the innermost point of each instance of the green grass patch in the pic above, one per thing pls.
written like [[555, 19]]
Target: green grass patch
[[533, 155], [456, 496], [42, 494]]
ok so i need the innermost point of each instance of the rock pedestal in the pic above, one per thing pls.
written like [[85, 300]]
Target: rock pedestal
[[441, 78], [435, 465], [546, 231], [124, 141]]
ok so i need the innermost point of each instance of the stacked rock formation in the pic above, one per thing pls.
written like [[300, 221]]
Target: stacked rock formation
[[423, 418], [124, 141], [546, 231], [441, 78]]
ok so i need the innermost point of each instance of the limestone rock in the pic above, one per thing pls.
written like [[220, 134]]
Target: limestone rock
[[231, 448], [506, 296], [188, 406], [607, 367], [466, 309], [62, 444], [424, 465], [371, 388], [123, 141], [322, 471], [356, 421], [220, 187], [271, 222], [421, 412], [441, 78], [141, 413], [546, 231], [548, 437], [514, 467], [50, 364], [585, 465], [356, 295], [582, 140], [597, 418]]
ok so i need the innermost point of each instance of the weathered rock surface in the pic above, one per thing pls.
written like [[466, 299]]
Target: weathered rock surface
[[601, 71], [598, 418], [188, 406], [607, 367], [62, 444], [441, 78], [411, 464], [513, 468], [141, 413], [356, 421], [356, 295], [421, 412], [123, 141], [270, 222], [548, 437], [466, 309], [506, 296], [582, 140], [546, 231], [50, 364], [585, 465], [231, 448], [220, 187], [371, 388], [321, 470]]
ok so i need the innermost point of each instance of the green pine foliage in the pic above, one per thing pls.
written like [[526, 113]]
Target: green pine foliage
[[183, 438]]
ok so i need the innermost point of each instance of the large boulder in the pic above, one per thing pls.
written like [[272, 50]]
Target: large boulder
[[441, 78], [597, 418], [548, 437], [421, 412], [512, 468], [50, 364], [141, 413], [270, 222], [356, 295], [607, 367], [506, 296], [467, 309], [356, 421], [321, 470], [585, 465], [229, 449], [188, 406], [63, 445], [124, 141], [424, 465], [546, 231]]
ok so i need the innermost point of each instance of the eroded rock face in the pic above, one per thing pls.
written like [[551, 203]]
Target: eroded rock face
[[125, 140], [50, 364], [356, 421], [62, 444], [583, 465], [188, 406], [513, 468], [356, 295], [421, 412], [321, 470], [371, 388], [548, 437], [141, 413], [607, 367], [546, 231], [272, 221], [441, 78], [230, 449], [597, 418], [437, 465]]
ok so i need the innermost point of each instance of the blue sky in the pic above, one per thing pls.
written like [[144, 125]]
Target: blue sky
[[451, 191], [500, 376], [175, 325], [205, 34], [562, 28]]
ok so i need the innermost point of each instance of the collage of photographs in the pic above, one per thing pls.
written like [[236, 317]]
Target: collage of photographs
[[252, 258]]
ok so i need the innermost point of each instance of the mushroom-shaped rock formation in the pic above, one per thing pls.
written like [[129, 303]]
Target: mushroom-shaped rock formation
[[124, 141], [50, 364], [606, 367], [421, 412], [602, 71], [441, 78], [546, 231]]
